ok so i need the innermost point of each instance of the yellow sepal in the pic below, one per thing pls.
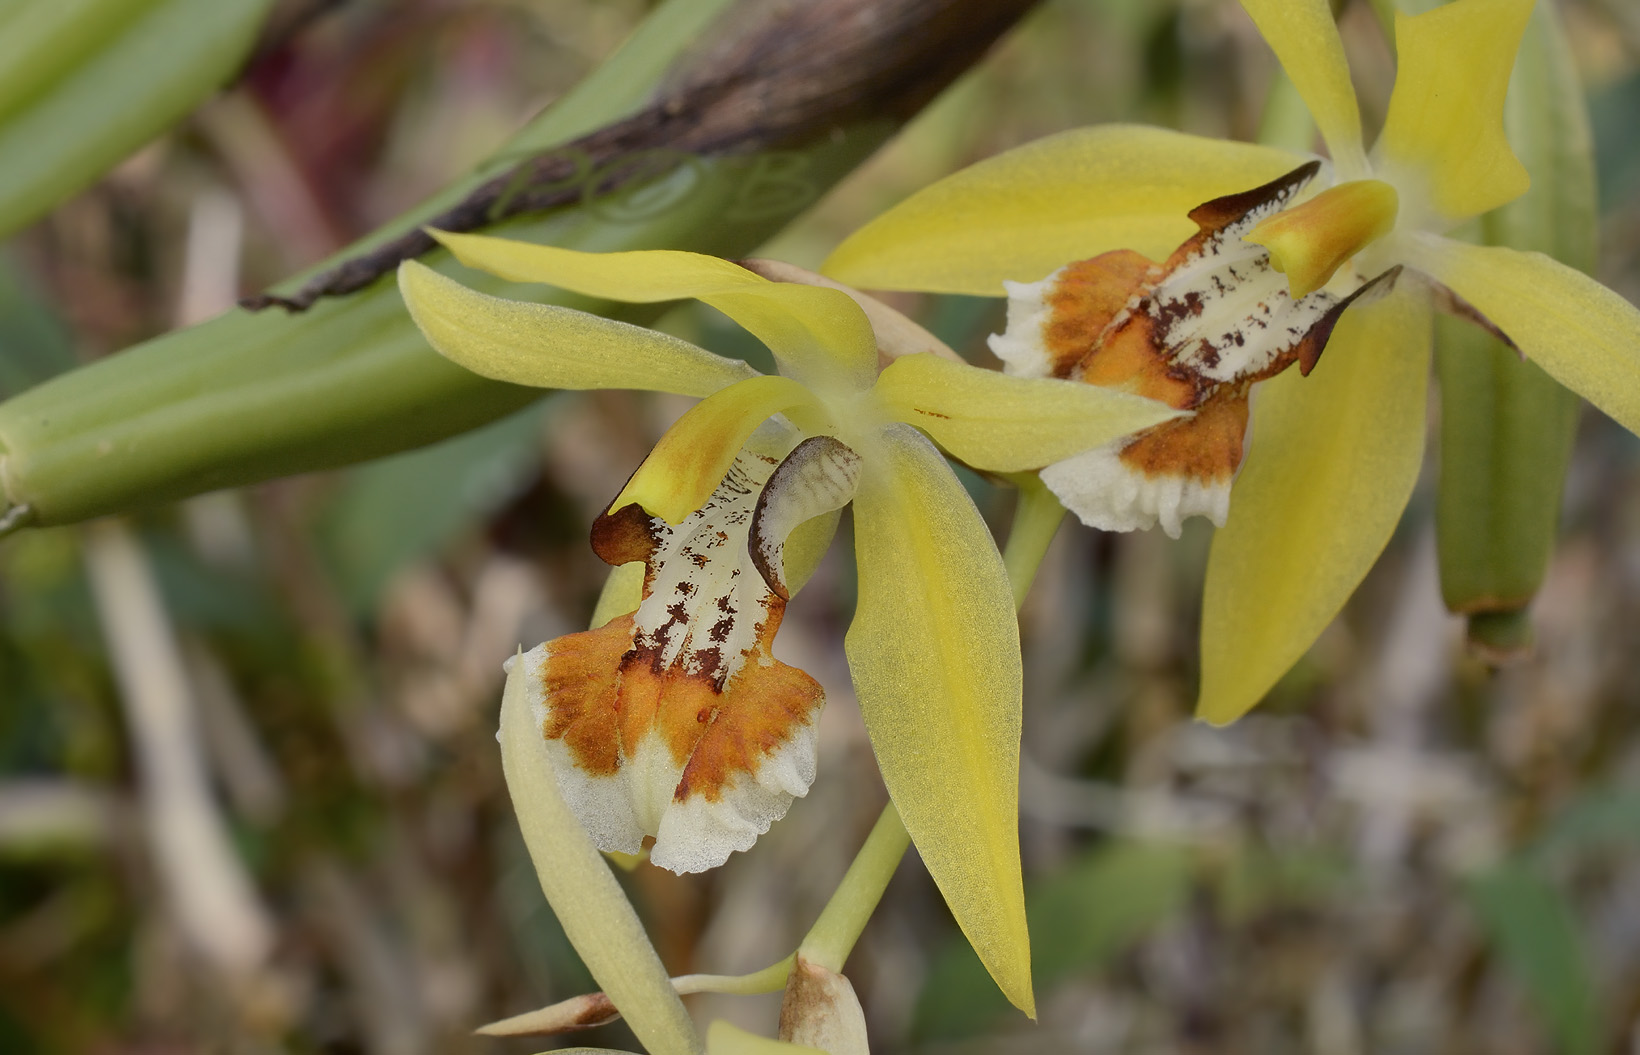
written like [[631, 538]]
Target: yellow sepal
[[1031, 210], [546, 346], [934, 652], [1445, 121], [1002, 423], [819, 335], [1333, 461], [1304, 37], [597, 917], [1584, 335], [689, 462]]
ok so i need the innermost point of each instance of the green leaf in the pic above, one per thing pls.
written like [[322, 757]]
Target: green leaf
[[1597, 818], [1533, 930], [85, 82]]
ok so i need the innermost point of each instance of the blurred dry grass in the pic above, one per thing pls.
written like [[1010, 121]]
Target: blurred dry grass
[[1401, 851]]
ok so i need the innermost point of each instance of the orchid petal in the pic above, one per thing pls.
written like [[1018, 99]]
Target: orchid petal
[[547, 346], [1026, 212], [1583, 334], [595, 913], [689, 461], [806, 546], [934, 652], [1304, 37], [1333, 462], [813, 484], [1445, 120], [815, 333], [1001, 423]]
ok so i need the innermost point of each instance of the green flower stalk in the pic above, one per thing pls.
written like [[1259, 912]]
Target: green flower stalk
[[1350, 256]]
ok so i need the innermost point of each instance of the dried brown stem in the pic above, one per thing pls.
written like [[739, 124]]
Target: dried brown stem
[[795, 74]]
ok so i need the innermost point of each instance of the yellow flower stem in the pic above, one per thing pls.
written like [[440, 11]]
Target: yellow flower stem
[[567, 1014], [829, 942], [1037, 516], [768, 980], [833, 935]]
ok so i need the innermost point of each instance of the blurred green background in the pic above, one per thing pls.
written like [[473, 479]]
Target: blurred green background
[[1402, 850]]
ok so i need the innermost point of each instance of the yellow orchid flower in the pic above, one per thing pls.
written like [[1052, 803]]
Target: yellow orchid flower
[[672, 720], [1264, 282]]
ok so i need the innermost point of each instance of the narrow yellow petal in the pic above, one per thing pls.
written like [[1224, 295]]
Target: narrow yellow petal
[[1583, 334], [1002, 423], [1445, 121], [722, 1038], [689, 462], [1334, 457], [934, 651], [817, 334], [1034, 209], [583, 893], [1305, 39], [547, 346]]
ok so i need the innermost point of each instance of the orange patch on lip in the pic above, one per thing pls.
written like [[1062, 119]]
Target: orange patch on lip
[[1206, 448], [1084, 298], [737, 737], [582, 681], [604, 696], [1131, 359]]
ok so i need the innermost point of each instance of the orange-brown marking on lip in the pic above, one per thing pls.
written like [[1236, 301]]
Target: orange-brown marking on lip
[[621, 536], [604, 696], [1214, 216], [1132, 359], [1206, 448], [582, 681], [761, 708], [1083, 300]]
